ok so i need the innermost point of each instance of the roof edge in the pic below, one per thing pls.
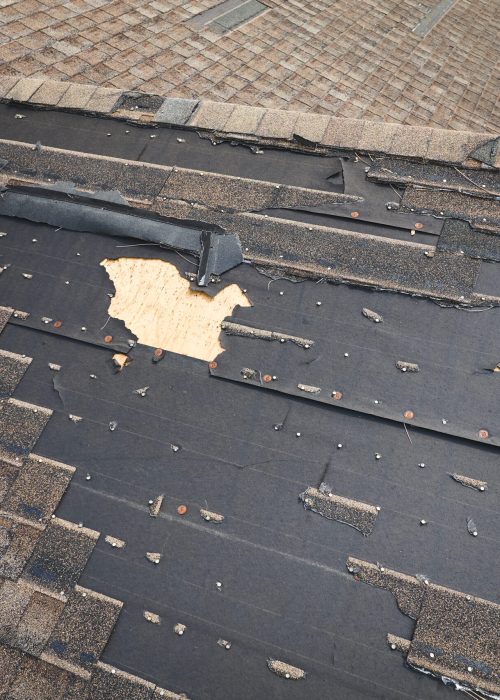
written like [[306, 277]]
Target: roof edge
[[267, 126]]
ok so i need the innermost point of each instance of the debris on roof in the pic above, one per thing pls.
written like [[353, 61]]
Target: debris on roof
[[210, 516], [155, 505], [360, 516], [343, 259], [280, 668], [469, 482]]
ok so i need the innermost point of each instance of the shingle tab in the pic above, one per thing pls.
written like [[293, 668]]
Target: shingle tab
[[10, 660], [38, 488], [17, 541], [12, 369], [176, 110], [37, 622], [8, 474], [21, 424], [60, 556], [84, 627], [37, 680], [111, 684], [14, 599], [5, 314]]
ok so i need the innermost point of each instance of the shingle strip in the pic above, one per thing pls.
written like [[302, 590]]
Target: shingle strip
[[336, 254], [399, 171], [60, 556], [456, 634], [243, 194], [455, 205]]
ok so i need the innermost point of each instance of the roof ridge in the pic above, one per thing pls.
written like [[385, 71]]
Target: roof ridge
[[283, 127]]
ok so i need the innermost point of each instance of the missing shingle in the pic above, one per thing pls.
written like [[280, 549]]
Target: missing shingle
[[228, 15], [155, 301], [433, 17]]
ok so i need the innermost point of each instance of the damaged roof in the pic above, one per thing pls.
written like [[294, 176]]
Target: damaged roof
[[242, 375]]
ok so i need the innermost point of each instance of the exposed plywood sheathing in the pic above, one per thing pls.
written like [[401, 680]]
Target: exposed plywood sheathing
[[159, 307]]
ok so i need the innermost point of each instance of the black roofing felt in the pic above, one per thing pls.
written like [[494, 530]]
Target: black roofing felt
[[284, 592], [247, 451]]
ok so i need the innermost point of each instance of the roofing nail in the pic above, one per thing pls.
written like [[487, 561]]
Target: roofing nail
[[469, 668], [483, 434], [83, 329], [108, 338], [182, 509], [318, 303], [218, 584], [378, 455], [355, 214], [211, 365], [34, 240], [421, 465], [339, 446], [267, 378], [297, 434], [418, 225], [346, 354], [408, 415], [423, 522], [88, 477], [281, 294]]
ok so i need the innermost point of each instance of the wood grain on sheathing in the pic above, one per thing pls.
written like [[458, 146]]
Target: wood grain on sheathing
[[158, 306]]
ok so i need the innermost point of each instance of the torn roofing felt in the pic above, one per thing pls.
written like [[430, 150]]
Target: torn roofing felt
[[349, 362], [248, 588], [217, 250], [335, 254]]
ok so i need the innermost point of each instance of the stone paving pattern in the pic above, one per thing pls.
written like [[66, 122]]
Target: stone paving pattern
[[343, 58]]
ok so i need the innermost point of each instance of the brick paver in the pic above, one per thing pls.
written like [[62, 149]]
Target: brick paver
[[358, 60]]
